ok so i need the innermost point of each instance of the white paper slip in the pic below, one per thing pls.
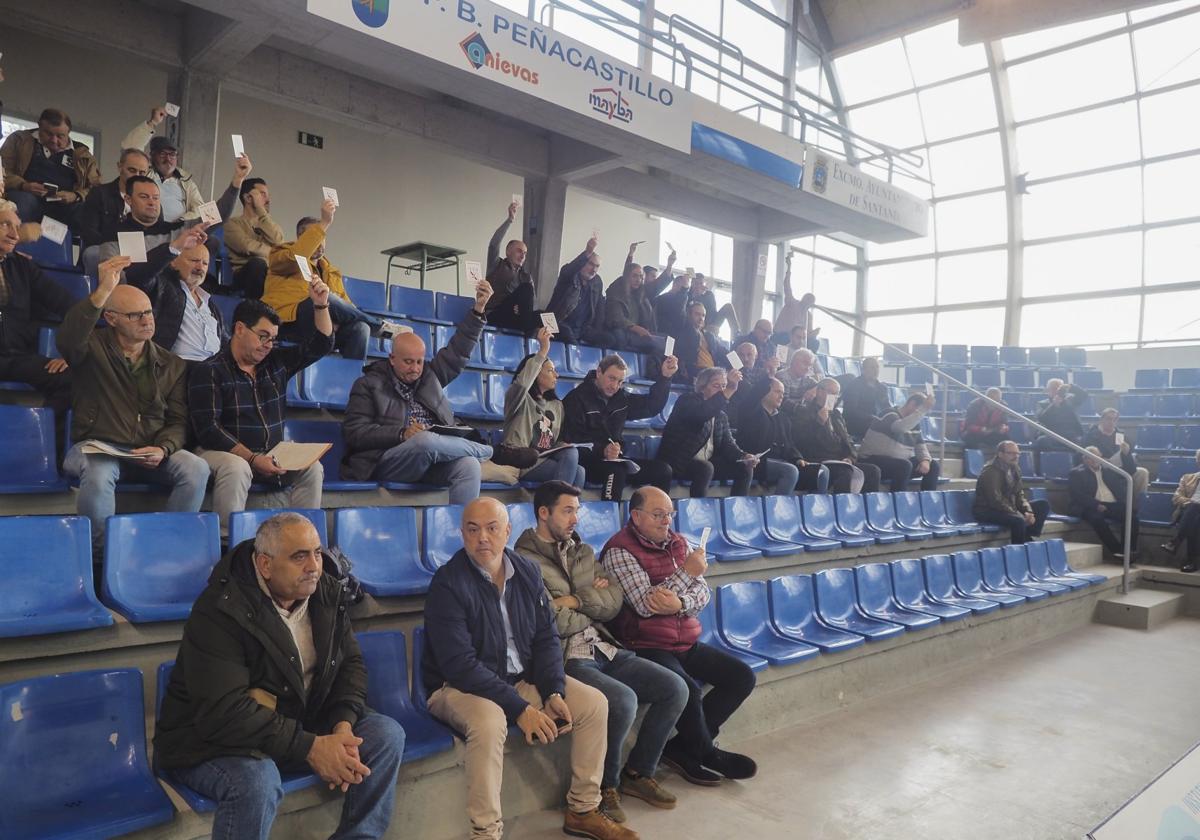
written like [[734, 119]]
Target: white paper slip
[[781, 353], [631, 467], [517, 198], [735, 361], [54, 230], [474, 271], [704, 538], [132, 245], [669, 347], [172, 109], [290, 455], [209, 214], [330, 194], [99, 447], [929, 389], [1119, 437], [830, 401], [305, 268], [238, 148], [550, 322]]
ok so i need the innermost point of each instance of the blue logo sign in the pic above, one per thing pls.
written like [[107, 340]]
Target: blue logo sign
[[475, 49], [372, 13]]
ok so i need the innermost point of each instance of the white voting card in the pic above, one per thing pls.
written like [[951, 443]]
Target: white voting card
[[132, 245]]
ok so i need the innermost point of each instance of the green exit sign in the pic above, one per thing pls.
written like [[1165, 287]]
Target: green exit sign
[[316, 141]]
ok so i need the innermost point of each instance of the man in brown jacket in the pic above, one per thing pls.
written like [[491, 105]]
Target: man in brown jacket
[[47, 173], [250, 237], [1000, 499], [583, 595], [130, 397]]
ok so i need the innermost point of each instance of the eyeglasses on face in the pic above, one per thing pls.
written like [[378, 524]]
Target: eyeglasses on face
[[133, 316], [658, 515], [265, 338]]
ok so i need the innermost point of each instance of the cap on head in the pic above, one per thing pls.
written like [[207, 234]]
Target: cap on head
[[159, 143]]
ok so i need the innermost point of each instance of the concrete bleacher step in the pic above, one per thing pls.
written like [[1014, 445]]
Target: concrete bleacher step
[[1139, 609]]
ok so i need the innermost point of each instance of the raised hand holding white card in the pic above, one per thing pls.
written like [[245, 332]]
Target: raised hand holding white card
[[517, 199], [474, 271], [132, 245], [735, 361], [1118, 437], [54, 230], [781, 353], [238, 148], [669, 347], [305, 269], [330, 194], [550, 322], [831, 402], [209, 214], [704, 538], [929, 389], [172, 109]]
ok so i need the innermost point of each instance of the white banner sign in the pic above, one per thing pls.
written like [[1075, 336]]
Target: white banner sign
[[834, 179], [482, 37]]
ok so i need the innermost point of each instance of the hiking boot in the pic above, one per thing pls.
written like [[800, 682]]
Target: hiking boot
[[595, 825], [731, 765], [690, 768], [610, 804], [646, 789]]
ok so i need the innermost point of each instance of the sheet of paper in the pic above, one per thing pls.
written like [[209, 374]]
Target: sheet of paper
[[209, 214], [669, 347], [670, 247], [238, 148], [781, 353], [704, 538], [291, 455], [305, 268], [1119, 437], [54, 230], [132, 245], [831, 402], [330, 194], [929, 389], [172, 109], [517, 199], [99, 447], [689, 272], [550, 322], [474, 271], [735, 361]]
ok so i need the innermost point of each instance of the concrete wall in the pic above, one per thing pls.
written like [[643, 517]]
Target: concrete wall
[[616, 225], [1119, 366]]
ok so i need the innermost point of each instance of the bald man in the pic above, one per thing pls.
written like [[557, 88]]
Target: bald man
[[492, 659], [512, 305], [187, 321], [397, 406], [128, 393]]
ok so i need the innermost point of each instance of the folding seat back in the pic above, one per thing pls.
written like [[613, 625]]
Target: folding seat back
[[368, 295], [931, 429], [1038, 557], [954, 354], [1185, 378], [791, 602], [451, 308], [1174, 406], [28, 459], [76, 285], [564, 387], [985, 354], [467, 396], [851, 514], [956, 372], [1072, 357], [557, 354], [1043, 356], [1151, 378], [881, 516], [441, 534], [1016, 564], [968, 575], [1170, 470], [1025, 463], [694, 515], [742, 611], [1155, 508], [244, 524], [959, 504], [985, 377], [891, 354], [781, 517], [972, 462], [651, 443], [1056, 465], [382, 544], [1056, 555], [1018, 432], [853, 367], [505, 351], [820, 520], [598, 521], [421, 303], [325, 431], [835, 594], [329, 380], [908, 510], [1046, 374], [939, 576], [1187, 438], [441, 337], [908, 581], [633, 446], [873, 583], [1013, 356], [834, 366], [48, 560], [926, 353], [582, 358], [156, 564], [49, 254], [1019, 377], [743, 516], [710, 635], [388, 693], [1090, 380], [521, 518], [73, 757], [917, 375]]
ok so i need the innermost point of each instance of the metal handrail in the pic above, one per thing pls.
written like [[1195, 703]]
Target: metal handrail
[[1070, 444]]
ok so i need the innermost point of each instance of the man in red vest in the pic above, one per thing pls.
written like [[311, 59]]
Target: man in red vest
[[665, 591]]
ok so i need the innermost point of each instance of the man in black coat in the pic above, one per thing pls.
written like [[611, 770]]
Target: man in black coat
[[1097, 496], [698, 348], [764, 427], [578, 299], [186, 320], [697, 443], [269, 677], [104, 206]]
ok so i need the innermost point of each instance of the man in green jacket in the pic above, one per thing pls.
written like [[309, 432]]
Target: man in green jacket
[[269, 677], [129, 397], [1000, 498], [583, 595]]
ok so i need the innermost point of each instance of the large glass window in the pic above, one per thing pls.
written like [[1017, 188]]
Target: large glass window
[[1081, 76], [970, 326], [1086, 203], [1084, 321], [1072, 144], [1173, 255], [1094, 264]]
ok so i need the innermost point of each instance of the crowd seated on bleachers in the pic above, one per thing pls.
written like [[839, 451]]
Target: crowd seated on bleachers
[[46, 172], [826, 440], [698, 444]]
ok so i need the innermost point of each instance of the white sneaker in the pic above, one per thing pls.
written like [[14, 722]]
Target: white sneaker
[[390, 329]]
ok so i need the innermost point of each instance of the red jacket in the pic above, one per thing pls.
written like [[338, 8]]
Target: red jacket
[[675, 633]]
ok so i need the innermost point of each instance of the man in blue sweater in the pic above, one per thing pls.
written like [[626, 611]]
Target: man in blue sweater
[[492, 658]]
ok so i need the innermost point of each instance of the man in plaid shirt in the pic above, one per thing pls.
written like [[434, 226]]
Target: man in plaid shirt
[[236, 402]]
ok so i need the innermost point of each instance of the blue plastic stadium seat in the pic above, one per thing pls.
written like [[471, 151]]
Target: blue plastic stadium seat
[[926, 353], [381, 542], [985, 377], [820, 521], [851, 512], [985, 354], [1025, 464], [1041, 494], [710, 635], [996, 579], [48, 560], [882, 517], [1056, 552], [521, 517], [931, 431], [890, 356], [1039, 568], [745, 525], [794, 615], [939, 584], [917, 375], [958, 372], [420, 694], [582, 358], [877, 600], [853, 367], [652, 443], [743, 616], [1171, 469], [783, 522], [1019, 377], [451, 309], [368, 295], [49, 254], [295, 395], [1013, 356], [1185, 378], [1089, 380], [441, 534], [960, 506], [1151, 378], [243, 524], [1043, 356], [972, 462], [1155, 509], [1072, 357], [968, 579], [28, 457], [834, 366], [1056, 466], [659, 421], [77, 285], [598, 521], [1187, 438], [633, 446], [1016, 566], [73, 757], [694, 515], [325, 431], [442, 336], [1046, 374], [910, 514], [908, 586], [954, 354], [388, 693], [502, 350], [467, 396], [419, 304], [327, 382], [837, 605], [1174, 406], [156, 564]]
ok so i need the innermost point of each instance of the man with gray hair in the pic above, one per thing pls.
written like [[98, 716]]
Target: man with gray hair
[[250, 697], [820, 428], [802, 371], [1059, 413], [865, 398], [1097, 495]]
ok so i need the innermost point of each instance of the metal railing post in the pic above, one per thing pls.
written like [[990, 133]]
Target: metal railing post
[[945, 419]]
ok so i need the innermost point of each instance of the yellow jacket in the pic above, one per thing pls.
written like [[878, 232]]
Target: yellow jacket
[[285, 288]]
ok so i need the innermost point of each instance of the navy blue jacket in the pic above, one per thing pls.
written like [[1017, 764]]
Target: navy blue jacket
[[465, 645]]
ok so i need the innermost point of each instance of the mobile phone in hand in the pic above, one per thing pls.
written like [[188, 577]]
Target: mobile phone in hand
[[564, 726]]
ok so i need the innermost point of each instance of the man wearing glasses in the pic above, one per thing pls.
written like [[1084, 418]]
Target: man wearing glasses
[[578, 298], [1000, 498], [665, 591], [128, 394], [46, 172], [236, 401]]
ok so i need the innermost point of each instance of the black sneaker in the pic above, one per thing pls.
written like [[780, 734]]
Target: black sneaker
[[1170, 546], [690, 768], [1190, 567], [731, 765]]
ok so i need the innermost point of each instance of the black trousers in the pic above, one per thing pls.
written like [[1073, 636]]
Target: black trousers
[[1188, 530], [613, 475], [897, 472], [251, 277], [516, 312], [1021, 531], [701, 473], [1114, 512], [31, 369], [731, 679], [841, 474]]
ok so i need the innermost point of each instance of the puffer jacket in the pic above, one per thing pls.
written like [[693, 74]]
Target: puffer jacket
[[590, 418]]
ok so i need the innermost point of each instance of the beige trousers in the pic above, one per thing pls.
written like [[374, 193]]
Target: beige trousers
[[232, 477], [485, 727]]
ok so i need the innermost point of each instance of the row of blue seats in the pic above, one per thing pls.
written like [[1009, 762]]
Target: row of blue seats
[[989, 354], [1163, 406], [156, 564], [1159, 378], [989, 377], [1056, 467]]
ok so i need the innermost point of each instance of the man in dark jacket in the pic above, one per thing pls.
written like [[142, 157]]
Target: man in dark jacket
[[1059, 413], [28, 296], [269, 678], [511, 305], [1097, 496], [1000, 498], [104, 206], [629, 313], [187, 321], [492, 659], [46, 172], [698, 348], [893, 443], [822, 433], [395, 407], [697, 443], [672, 312], [865, 398], [764, 427], [984, 425], [595, 412], [1114, 448], [578, 299]]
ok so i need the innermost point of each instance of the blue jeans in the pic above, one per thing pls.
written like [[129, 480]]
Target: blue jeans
[[563, 465], [353, 327], [436, 459], [186, 474], [248, 790], [32, 208], [780, 476], [626, 681]]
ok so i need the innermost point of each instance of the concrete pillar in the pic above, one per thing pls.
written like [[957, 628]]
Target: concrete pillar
[[201, 154], [749, 266], [545, 207]]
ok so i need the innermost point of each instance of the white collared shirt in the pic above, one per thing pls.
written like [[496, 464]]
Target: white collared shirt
[[299, 625], [515, 666], [199, 336], [1103, 495]]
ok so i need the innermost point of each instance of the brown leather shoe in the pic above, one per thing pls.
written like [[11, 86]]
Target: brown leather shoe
[[595, 825], [610, 804], [646, 789]]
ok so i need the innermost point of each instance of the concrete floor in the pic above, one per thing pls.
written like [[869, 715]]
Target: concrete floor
[[1041, 744]]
